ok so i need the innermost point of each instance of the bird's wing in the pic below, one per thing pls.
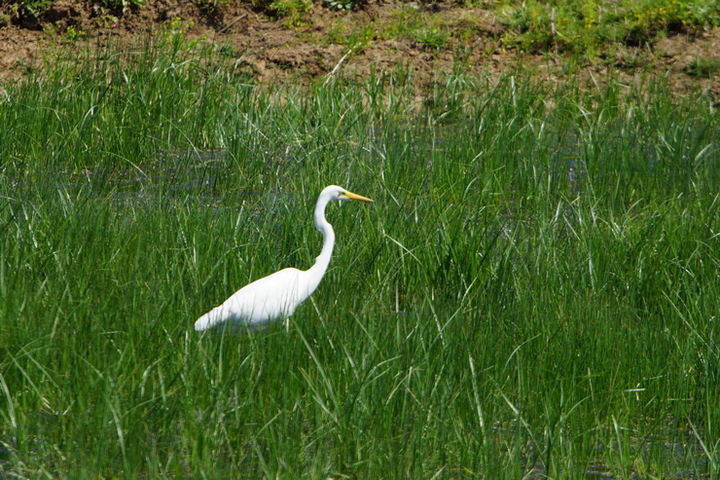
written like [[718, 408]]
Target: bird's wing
[[269, 298]]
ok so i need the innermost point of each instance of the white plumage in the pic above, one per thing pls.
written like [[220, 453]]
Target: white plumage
[[278, 295]]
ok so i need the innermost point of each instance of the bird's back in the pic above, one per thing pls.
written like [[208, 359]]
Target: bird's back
[[267, 299]]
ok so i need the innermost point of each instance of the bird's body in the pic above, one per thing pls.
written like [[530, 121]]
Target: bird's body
[[278, 295]]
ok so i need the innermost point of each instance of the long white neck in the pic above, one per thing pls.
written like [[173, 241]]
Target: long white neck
[[316, 272]]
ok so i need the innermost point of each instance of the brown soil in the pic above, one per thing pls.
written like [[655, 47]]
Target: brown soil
[[270, 50]]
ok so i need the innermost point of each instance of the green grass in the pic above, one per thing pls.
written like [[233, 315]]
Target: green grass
[[533, 293], [588, 27], [703, 67]]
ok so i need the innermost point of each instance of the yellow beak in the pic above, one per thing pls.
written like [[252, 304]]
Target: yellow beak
[[355, 196]]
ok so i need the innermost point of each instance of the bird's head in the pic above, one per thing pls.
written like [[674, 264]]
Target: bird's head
[[333, 192]]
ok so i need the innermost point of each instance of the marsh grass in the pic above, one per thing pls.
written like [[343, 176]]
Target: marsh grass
[[533, 293]]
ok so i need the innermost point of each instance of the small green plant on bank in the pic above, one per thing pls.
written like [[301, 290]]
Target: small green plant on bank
[[176, 27], [122, 4], [424, 28], [293, 11], [32, 7], [212, 4], [357, 38], [703, 67], [105, 18], [8, 13], [432, 36], [175, 33], [74, 33], [341, 4]]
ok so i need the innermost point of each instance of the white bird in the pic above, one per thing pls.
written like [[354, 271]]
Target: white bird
[[278, 295]]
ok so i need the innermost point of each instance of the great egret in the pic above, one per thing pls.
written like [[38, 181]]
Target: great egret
[[278, 295]]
